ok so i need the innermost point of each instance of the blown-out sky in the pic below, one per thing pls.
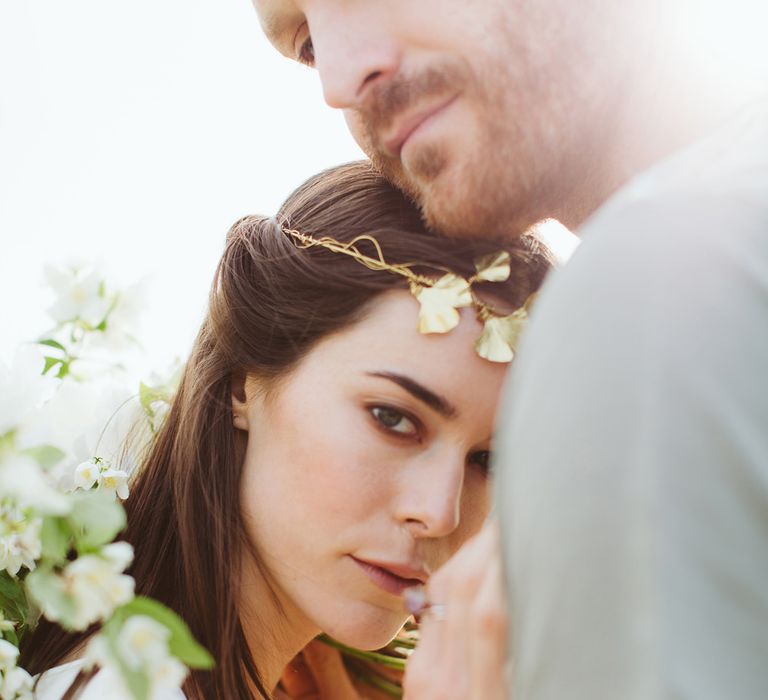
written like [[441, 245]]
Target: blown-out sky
[[132, 135]]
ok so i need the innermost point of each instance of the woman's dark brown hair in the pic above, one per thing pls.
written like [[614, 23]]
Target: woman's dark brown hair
[[270, 303]]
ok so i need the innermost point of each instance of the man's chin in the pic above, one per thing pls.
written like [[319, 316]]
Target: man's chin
[[448, 206], [450, 202]]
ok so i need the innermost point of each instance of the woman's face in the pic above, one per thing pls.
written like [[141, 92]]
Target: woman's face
[[366, 468]]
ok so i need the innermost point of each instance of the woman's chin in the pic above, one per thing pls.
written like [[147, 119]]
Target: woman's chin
[[366, 635]]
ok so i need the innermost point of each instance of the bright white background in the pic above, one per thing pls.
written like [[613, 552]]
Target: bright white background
[[134, 134]]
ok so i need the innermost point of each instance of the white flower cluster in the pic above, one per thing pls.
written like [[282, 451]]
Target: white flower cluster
[[65, 412], [15, 682], [79, 295], [97, 472], [24, 482], [90, 588], [20, 543], [141, 646]]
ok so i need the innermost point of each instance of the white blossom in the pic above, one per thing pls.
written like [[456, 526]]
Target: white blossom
[[8, 655], [5, 625], [16, 684], [123, 321], [22, 479], [115, 481], [119, 555], [22, 388], [142, 644], [86, 474], [142, 641], [100, 473], [97, 654], [167, 673], [86, 419], [96, 588], [79, 295], [19, 539], [160, 410]]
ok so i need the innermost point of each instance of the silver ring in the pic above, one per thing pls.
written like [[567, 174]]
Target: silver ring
[[416, 603]]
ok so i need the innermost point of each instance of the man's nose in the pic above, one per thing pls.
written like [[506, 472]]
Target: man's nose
[[430, 495], [354, 55]]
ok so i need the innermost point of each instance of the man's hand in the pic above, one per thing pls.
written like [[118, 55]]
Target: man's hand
[[462, 656]]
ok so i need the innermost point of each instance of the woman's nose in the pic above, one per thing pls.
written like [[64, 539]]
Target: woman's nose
[[430, 494]]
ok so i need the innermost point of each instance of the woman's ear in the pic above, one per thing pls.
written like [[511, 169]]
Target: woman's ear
[[239, 402]]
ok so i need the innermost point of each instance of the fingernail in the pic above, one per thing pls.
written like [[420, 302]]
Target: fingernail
[[415, 599]]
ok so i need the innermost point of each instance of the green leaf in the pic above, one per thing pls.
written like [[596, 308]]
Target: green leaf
[[51, 362], [12, 637], [51, 343], [55, 537], [148, 395], [181, 642], [13, 599], [48, 592], [8, 440], [64, 369], [96, 519], [46, 456]]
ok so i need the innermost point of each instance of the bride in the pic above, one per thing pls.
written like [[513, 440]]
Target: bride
[[321, 454]]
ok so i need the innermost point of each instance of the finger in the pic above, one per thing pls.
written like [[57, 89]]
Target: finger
[[439, 667], [327, 666], [488, 631], [465, 579]]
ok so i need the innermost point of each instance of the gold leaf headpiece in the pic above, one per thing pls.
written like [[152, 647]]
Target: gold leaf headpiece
[[440, 298]]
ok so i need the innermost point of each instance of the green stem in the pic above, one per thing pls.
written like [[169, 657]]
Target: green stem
[[383, 659], [381, 683]]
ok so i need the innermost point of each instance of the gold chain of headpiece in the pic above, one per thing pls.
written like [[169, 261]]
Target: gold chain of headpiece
[[440, 298]]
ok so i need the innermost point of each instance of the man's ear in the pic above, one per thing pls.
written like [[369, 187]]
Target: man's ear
[[239, 402]]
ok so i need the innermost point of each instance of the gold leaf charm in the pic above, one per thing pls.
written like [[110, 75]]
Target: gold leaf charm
[[493, 267], [457, 286], [500, 336], [439, 303]]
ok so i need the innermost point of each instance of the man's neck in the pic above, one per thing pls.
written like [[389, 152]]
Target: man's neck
[[668, 105]]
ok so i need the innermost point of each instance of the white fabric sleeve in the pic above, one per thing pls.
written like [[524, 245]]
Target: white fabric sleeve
[[55, 682]]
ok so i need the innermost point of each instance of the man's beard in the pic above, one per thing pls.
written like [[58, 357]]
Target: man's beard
[[387, 102], [474, 191]]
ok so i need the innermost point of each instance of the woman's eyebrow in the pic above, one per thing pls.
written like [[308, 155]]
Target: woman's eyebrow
[[419, 391]]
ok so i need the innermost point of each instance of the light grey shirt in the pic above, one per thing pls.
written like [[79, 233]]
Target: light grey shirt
[[633, 469]]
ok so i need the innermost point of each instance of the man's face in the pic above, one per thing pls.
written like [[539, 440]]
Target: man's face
[[465, 104]]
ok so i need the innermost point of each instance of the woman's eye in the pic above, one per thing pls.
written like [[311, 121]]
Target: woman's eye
[[394, 421], [481, 458], [307, 52]]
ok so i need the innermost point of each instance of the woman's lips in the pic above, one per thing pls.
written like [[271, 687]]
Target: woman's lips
[[387, 580]]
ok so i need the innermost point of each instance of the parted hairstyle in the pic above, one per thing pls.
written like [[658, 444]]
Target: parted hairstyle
[[270, 304]]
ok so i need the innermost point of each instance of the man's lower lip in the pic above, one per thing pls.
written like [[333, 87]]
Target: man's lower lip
[[384, 579], [424, 122]]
